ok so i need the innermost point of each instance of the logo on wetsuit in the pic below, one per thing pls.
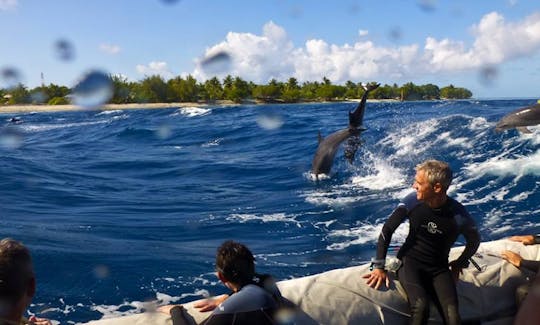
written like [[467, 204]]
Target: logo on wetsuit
[[432, 228]]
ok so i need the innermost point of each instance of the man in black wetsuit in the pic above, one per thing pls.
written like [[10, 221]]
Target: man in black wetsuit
[[435, 222], [254, 299]]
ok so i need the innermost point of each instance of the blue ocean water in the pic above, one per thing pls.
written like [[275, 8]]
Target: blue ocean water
[[121, 208]]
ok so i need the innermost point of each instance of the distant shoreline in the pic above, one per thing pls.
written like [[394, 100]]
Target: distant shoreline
[[14, 109]]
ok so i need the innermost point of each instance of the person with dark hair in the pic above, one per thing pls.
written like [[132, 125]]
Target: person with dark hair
[[17, 283], [435, 222], [254, 299]]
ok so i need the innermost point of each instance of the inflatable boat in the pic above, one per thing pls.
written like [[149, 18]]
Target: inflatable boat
[[486, 291]]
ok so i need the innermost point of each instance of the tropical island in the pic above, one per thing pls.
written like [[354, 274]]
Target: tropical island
[[154, 89]]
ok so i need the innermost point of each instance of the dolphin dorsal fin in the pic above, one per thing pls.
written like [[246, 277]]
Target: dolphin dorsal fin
[[319, 137]]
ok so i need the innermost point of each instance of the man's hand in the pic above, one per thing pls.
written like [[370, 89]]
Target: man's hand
[[39, 321], [376, 278], [525, 239], [514, 258], [210, 304], [456, 271], [166, 309]]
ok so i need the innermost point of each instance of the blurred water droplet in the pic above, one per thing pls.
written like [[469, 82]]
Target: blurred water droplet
[[427, 5], [11, 137], [217, 63], [101, 271], [10, 77], [93, 90], [38, 97], [170, 2], [270, 121], [164, 132], [488, 75], [395, 34], [64, 50]]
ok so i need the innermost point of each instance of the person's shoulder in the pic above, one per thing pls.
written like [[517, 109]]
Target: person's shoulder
[[250, 297], [409, 201]]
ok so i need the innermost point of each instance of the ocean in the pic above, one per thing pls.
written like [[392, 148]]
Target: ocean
[[127, 207]]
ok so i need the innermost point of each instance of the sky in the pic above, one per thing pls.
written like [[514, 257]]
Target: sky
[[491, 47]]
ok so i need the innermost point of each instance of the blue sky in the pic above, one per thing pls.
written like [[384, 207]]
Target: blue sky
[[491, 47]]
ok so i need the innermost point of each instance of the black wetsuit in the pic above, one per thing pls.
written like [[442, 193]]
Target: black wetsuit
[[425, 273], [255, 303]]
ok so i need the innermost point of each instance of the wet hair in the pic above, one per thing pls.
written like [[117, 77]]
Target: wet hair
[[16, 271], [436, 172], [235, 262]]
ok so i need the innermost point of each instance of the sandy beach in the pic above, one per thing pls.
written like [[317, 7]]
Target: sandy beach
[[14, 109]]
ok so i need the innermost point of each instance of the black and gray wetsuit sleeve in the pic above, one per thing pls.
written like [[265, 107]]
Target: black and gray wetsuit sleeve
[[471, 234], [531, 265], [395, 219], [537, 239]]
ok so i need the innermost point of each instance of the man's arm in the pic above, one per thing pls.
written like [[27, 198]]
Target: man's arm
[[526, 239], [378, 275], [472, 238]]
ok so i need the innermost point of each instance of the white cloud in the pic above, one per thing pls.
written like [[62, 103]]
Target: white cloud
[[272, 55], [110, 48], [8, 4], [155, 68], [363, 32]]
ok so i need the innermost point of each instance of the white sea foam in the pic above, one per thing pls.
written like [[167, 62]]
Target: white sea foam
[[109, 112], [192, 111], [362, 234], [47, 127], [275, 217], [502, 166], [384, 176], [212, 143]]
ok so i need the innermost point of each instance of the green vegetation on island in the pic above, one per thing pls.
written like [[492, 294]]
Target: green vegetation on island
[[154, 89]]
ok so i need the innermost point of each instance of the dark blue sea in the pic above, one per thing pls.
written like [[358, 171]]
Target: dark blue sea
[[122, 208]]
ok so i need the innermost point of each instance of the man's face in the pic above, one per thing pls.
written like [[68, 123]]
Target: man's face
[[424, 190]]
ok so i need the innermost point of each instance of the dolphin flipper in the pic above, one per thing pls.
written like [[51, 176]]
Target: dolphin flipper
[[524, 129]]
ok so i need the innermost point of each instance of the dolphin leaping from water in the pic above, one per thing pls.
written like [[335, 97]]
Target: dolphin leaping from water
[[520, 119], [324, 157]]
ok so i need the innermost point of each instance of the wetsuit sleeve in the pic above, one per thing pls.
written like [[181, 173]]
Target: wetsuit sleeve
[[178, 317], [472, 238], [537, 239], [531, 265], [395, 219]]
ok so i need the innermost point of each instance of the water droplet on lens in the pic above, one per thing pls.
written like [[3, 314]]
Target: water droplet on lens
[[170, 2], [101, 271], [217, 63], [11, 138], [488, 75], [164, 132], [427, 5], [38, 97], [395, 34], [10, 77], [64, 50], [270, 121], [93, 90]]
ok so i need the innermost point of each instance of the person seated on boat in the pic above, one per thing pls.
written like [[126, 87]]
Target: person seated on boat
[[17, 284], [254, 299], [435, 222], [521, 263]]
